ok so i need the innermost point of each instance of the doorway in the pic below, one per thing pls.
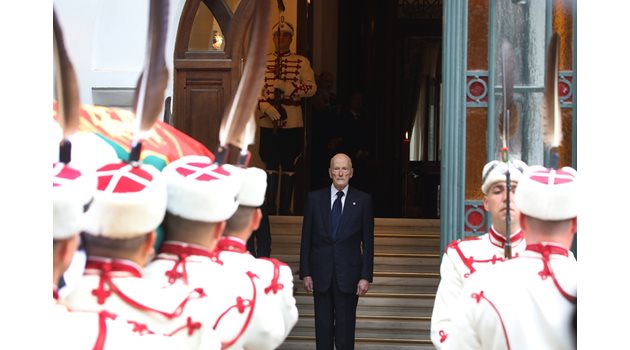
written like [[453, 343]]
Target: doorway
[[389, 52]]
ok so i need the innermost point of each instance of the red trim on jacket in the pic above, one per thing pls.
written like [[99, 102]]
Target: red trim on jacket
[[182, 251], [546, 250]]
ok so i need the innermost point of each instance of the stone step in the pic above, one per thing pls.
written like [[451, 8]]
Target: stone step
[[375, 327], [308, 343], [382, 245], [381, 304], [381, 264], [292, 225], [383, 284]]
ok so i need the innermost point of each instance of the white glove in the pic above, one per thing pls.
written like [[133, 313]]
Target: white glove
[[269, 111]]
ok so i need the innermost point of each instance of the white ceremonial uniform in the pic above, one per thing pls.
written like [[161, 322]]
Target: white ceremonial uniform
[[300, 83], [275, 276], [89, 330], [526, 303], [462, 258], [117, 287], [239, 317]]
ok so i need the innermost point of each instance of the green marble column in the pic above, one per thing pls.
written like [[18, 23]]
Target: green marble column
[[453, 155]]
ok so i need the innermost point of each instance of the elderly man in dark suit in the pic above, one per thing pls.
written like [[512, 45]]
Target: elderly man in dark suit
[[337, 254]]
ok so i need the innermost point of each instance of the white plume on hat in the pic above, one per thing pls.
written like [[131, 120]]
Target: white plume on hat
[[72, 191], [494, 171], [130, 200], [284, 27], [201, 190], [253, 187], [548, 194]]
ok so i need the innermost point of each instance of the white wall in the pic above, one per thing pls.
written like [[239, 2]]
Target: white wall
[[106, 41]]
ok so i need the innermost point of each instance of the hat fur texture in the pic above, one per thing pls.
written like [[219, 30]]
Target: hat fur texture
[[201, 190], [494, 171], [72, 191], [285, 27], [548, 194], [130, 200], [253, 187], [89, 151]]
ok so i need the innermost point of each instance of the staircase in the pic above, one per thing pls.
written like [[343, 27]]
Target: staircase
[[396, 312]]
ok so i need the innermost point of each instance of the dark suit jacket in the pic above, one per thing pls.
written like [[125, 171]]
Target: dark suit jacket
[[350, 257]]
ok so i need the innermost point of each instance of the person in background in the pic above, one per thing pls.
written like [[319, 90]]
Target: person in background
[[259, 243], [354, 137], [325, 116], [288, 79]]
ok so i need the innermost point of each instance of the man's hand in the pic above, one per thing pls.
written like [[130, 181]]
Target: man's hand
[[308, 284], [270, 111], [362, 287]]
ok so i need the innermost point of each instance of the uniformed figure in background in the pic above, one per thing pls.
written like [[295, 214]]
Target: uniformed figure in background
[[528, 302], [463, 258], [288, 79]]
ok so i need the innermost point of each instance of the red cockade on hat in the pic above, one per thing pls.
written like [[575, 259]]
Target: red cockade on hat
[[202, 171], [548, 194], [122, 178], [202, 190], [552, 177], [129, 201], [72, 191], [64, 174]]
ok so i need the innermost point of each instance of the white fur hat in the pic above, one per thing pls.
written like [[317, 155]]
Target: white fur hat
[[284, 27], [548, 194], [201, 190], [72, 192], [495, 171], [89, 151], [130, 200], [253, 187]]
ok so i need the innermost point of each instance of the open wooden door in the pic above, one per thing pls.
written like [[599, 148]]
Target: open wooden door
[[209, 57]]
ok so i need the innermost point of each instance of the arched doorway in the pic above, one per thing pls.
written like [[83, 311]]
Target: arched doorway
[[208, 60]]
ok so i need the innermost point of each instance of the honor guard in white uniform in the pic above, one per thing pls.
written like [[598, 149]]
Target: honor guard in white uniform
[[528, 302], [275, 276], [129, 204], [89, 152], [462, 258], [202, 195], [288, 79], [71, 329]]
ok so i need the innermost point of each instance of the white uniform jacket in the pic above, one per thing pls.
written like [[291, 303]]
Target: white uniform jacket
[[89, 330], [461, 259], [299, 82], [526, 303], [238, 315], [276, 277], [117, 286]]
